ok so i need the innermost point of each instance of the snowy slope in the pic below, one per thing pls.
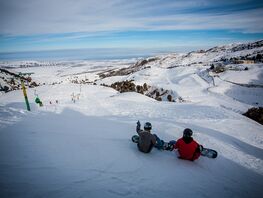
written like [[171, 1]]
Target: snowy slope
[[83, 149]]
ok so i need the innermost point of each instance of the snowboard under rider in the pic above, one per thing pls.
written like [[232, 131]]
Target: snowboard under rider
[[187, 147], [146, 139]]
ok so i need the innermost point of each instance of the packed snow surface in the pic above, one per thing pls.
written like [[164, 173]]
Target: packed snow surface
[[84, 148]]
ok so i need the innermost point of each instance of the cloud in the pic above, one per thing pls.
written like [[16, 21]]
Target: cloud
[[29, 17], [248, 21]]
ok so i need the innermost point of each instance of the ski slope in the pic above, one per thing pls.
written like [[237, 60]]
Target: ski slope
[[84, 149]]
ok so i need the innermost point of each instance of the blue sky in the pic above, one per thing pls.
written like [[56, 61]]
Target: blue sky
[[34, 25]]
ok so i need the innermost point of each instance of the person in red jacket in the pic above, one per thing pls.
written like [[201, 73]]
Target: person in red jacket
[[187, 147]]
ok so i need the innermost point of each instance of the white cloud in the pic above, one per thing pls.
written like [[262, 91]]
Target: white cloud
[[60, 16], [246, 21]]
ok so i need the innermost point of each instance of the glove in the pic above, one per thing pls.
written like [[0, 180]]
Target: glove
[[201, 148], [138, 125]]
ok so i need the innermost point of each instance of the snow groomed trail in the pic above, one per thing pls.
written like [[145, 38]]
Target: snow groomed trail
[[83, 149]]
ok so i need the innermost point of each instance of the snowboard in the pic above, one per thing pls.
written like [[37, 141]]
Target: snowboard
[[161, 145], [210, 153]]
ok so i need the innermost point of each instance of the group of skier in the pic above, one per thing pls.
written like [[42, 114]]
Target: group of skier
[[188, 148]]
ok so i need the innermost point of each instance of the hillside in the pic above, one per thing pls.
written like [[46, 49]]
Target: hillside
[[78, 143]]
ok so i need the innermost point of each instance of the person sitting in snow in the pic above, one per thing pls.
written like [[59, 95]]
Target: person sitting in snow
[[187, 147], [146, 139]]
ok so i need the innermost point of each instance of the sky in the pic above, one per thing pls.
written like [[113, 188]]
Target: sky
[[35, 25]]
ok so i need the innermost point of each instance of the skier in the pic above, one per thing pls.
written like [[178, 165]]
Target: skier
[[146, 139], [187, 147]]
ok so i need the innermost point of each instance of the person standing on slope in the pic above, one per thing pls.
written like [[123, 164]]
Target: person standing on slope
[[146, 139], [187, 147]]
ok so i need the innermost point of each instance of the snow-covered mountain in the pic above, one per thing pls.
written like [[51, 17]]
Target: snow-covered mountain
[[78, 143]]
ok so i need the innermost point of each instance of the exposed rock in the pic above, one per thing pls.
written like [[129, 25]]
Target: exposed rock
[[255, 114], [219, 69], [158, 98], [158, 94], [13, 81], [124, 86], [33, 84], [5, 89], [169, 98], [139, 65], [145, 61], [180, 100]]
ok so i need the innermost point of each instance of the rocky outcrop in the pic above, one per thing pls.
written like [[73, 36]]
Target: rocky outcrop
[[156, 93], [255, 114], [11, 81], [139, 65]]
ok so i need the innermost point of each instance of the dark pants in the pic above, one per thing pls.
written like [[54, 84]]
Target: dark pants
[[148, 151], [159, 142]]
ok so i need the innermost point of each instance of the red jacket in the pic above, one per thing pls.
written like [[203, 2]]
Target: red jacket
[[188, 150]]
